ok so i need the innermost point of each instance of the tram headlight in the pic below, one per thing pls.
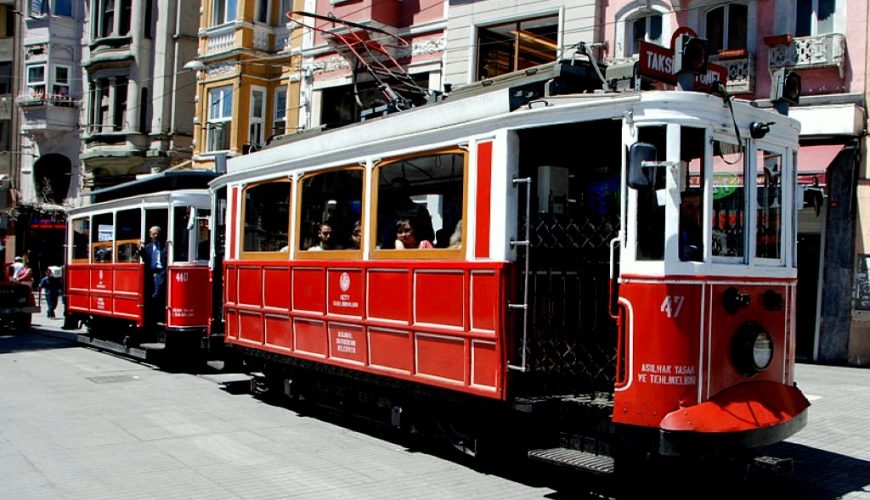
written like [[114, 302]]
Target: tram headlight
[[752, 349]]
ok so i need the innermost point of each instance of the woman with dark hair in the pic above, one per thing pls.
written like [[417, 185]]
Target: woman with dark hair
[[406, 238]]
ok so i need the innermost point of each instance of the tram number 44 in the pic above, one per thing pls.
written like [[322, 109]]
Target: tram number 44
[[672, 305], [182, 277]]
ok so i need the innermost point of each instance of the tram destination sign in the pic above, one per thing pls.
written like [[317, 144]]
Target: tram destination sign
[[657, 62]]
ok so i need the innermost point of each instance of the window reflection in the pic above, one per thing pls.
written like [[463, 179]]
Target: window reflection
[[729, 200], [768, 228]]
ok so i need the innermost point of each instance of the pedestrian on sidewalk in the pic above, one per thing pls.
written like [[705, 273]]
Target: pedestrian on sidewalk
[[24, 275], [52, 285]]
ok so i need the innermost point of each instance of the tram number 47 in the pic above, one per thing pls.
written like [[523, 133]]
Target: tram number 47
[[672, 305], [182, 277]]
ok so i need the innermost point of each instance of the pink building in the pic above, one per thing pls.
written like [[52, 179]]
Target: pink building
[[825, 42], [328, 98]]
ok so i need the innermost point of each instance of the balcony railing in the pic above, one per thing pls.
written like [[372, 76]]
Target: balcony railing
[[741, 70], [221, 39], [39, 99], [808, 52]]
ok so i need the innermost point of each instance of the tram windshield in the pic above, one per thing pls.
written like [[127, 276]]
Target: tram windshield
[[768, 165], [729, 200], [670, 186]]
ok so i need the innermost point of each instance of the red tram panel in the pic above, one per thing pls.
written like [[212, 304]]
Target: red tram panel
[[111, 290], [668, 384], [188, 297], [412, 320]]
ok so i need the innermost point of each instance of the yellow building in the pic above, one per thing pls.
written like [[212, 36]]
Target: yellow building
[[247, 76]]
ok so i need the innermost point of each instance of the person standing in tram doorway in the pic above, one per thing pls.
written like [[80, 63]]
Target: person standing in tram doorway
[[153, 255]]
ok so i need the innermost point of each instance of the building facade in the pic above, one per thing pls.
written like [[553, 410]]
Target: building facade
[[825, 42], [49, 97], [244, 67], [137, 115], [10, 152]]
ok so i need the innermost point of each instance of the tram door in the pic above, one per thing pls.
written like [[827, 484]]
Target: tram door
[[155, 307], [218, 237], [574, 216]]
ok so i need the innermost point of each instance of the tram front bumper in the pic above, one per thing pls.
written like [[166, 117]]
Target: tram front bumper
[[744, 416]]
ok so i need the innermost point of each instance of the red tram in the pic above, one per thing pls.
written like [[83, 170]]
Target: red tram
[[597, 272], [106, 285]]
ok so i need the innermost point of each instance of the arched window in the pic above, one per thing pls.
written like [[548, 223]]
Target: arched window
[[647, 28]]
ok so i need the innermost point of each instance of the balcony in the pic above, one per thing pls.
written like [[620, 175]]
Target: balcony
[[48, 112], [740, 65], [220, 39], [39, 99], [270, 38], [808, 52]]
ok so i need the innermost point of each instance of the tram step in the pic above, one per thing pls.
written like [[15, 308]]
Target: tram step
[[566, 457], [116, 347]]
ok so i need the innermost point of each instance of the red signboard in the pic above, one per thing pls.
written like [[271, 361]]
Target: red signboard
[[658, 62]]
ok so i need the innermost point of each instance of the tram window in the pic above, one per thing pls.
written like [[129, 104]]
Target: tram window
[[81, 235], [330, 207], [182, 222], [769, 222], [101, 239], [420, 201], [729, 200], [267, 217], [650, 210], [691, 231], [128, 231], [203, 234]]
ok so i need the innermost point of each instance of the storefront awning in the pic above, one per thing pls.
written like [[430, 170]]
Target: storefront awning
[[813, 161]]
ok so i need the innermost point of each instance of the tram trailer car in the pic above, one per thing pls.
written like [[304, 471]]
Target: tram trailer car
[[608, 275], [107, 285]]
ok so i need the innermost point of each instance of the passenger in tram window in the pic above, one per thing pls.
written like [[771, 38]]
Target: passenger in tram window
[[404, 208], [691, 230], [406, 237], [355, 235], [324, 238], [154, 257], [456, 237]]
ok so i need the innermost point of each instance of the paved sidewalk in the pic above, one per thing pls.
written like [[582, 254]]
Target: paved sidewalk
[[78, 423]]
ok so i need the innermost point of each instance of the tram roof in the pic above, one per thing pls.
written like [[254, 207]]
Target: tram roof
[[482, 110], [170, 180]]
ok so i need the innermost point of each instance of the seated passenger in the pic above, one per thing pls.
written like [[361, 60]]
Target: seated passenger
[[324, 237], [355, 235], [406, 238], [456, 237]]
